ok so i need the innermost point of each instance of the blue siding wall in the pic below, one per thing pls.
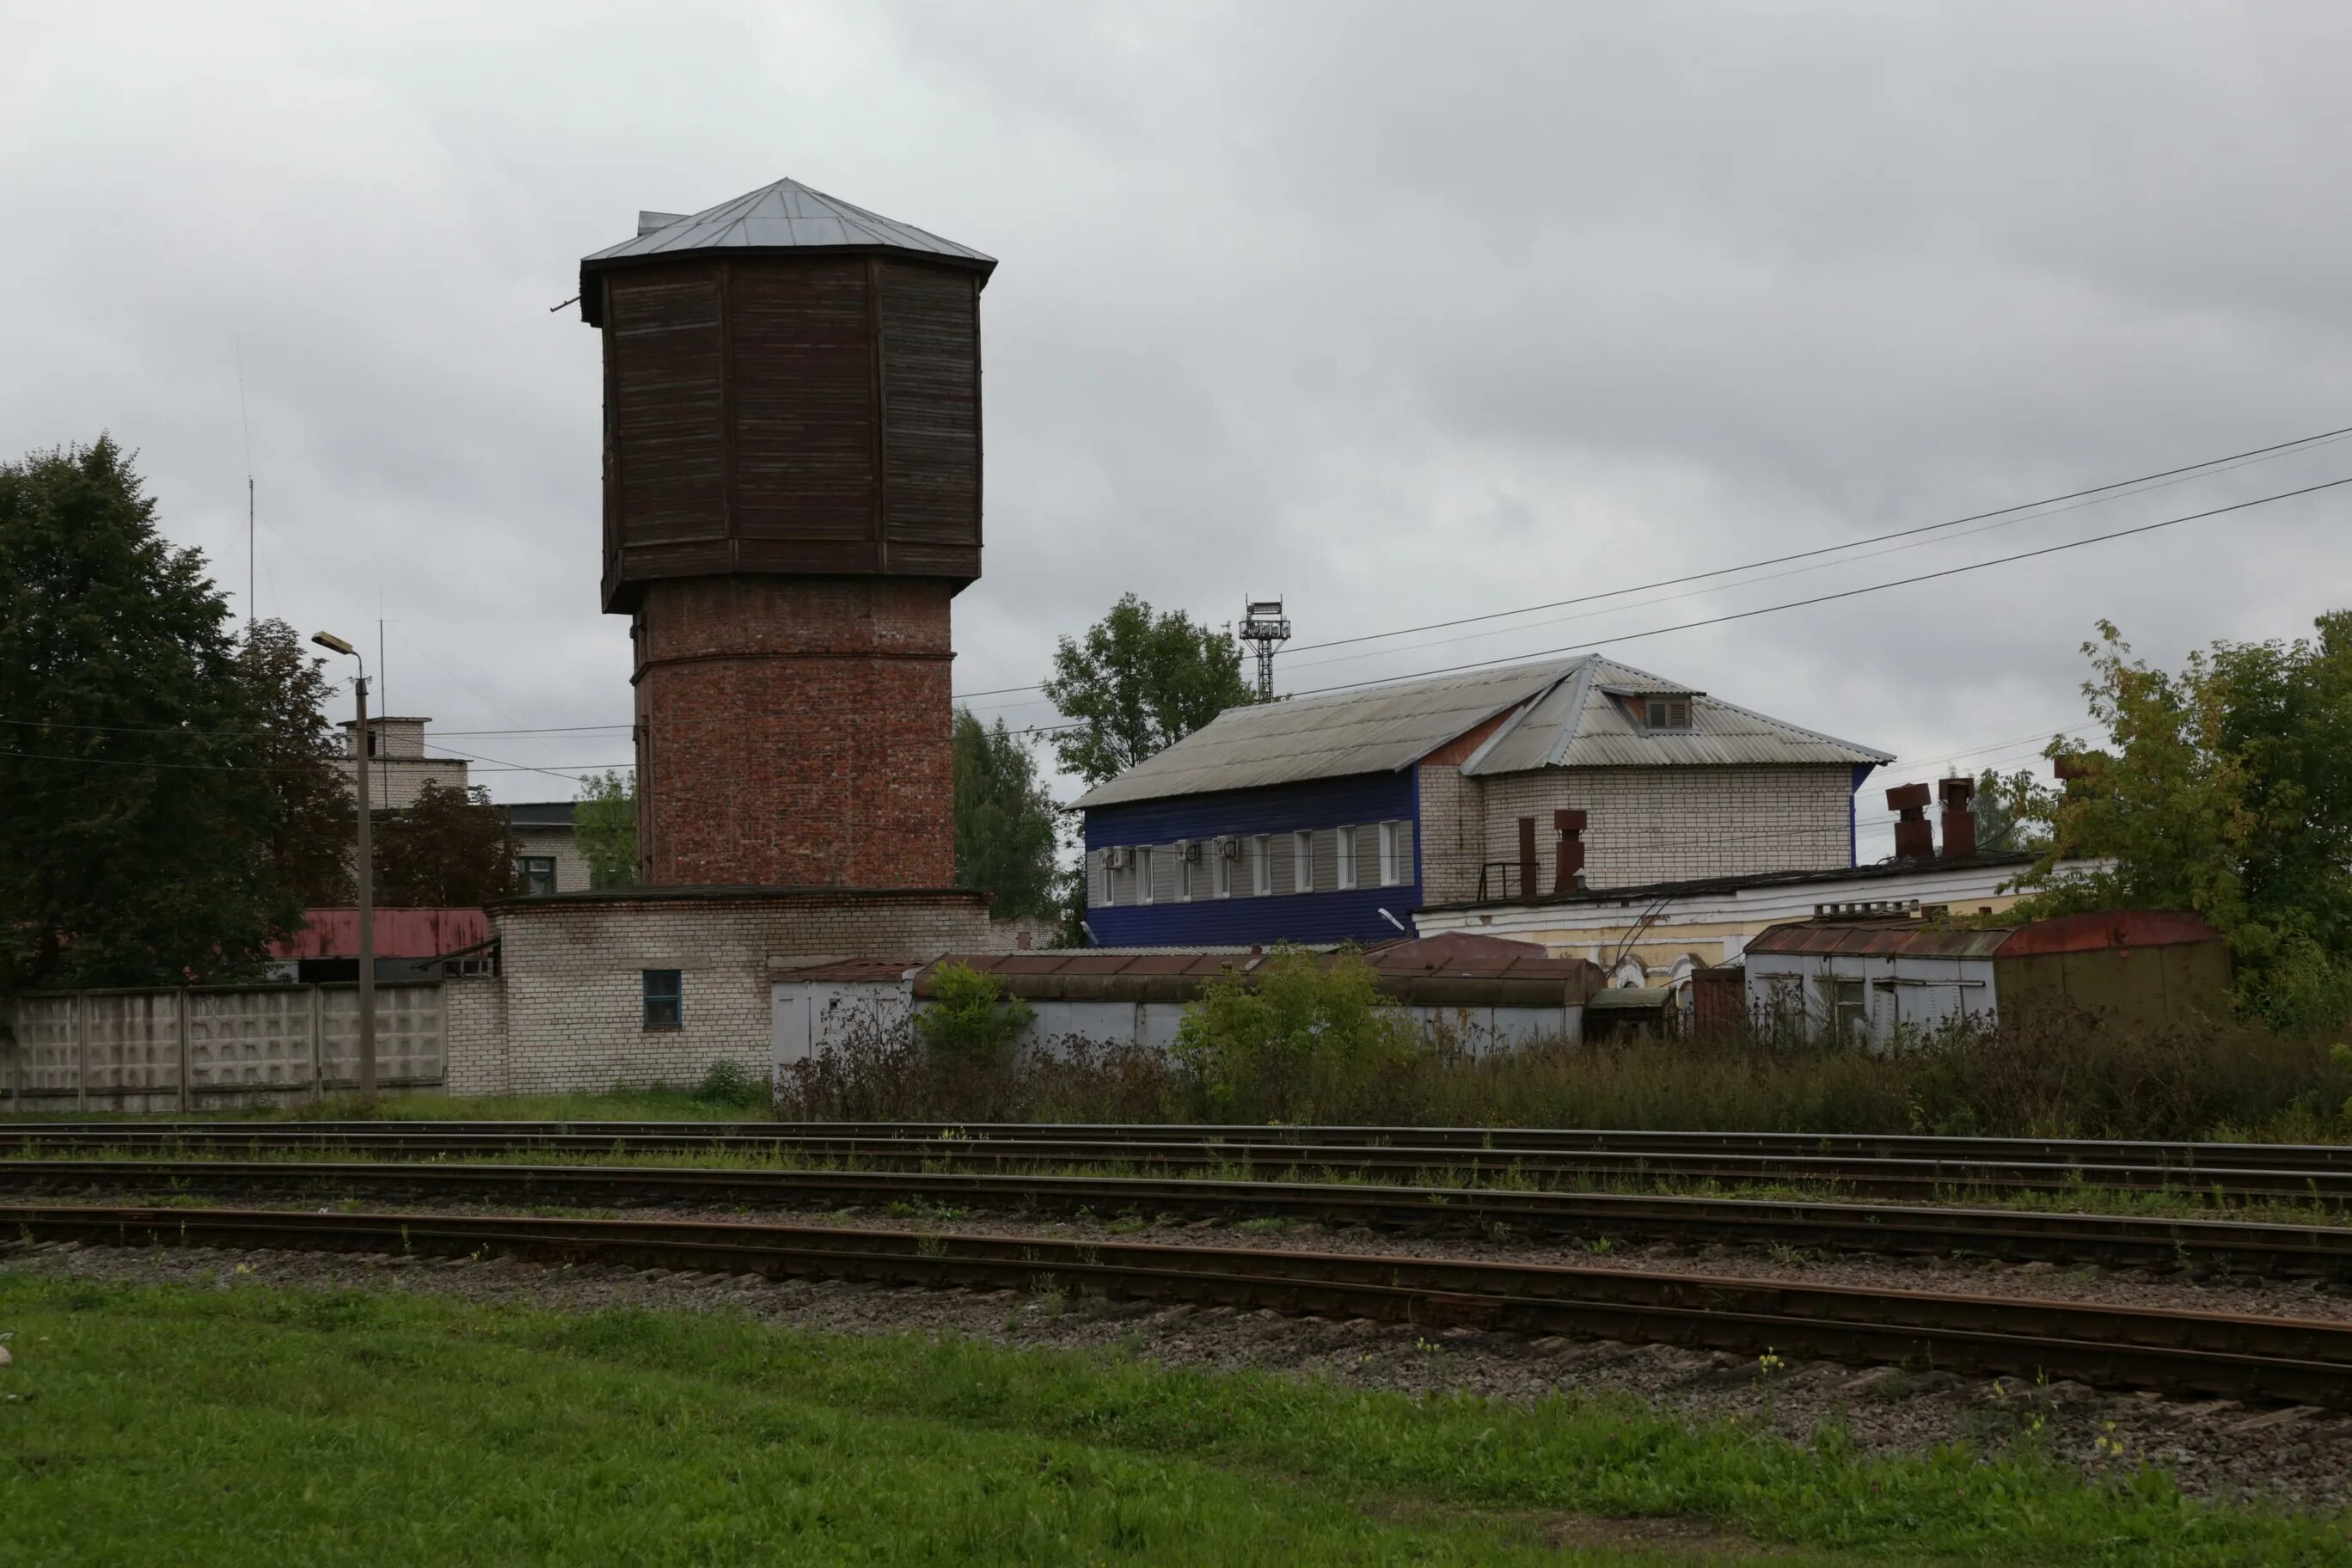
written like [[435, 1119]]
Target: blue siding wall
[[1243, 918]]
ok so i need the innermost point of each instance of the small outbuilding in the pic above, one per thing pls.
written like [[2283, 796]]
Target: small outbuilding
[[1874, 980]]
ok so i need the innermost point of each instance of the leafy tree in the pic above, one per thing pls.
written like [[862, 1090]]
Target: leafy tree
[[312, 830], [451, 849], [2004, 810], [1004, 819], [604, 826], [1138, 683], [2226, 789], [136, 808]]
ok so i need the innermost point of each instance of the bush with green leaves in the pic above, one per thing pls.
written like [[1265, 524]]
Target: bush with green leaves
[[969, 1024], [731, 1084], [1302, 1037]]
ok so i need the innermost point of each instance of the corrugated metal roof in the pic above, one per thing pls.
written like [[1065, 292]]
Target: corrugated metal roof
[[783, 215], [1570, 715], [398, 933], [1375, 730], [1892, 939]]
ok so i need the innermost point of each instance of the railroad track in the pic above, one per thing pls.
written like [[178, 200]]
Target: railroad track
[[2294, 1251], [2252, 1358], [1870, 1145], [1632, 1157]]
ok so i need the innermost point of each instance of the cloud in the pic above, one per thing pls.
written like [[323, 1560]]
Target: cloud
[[1406, 312]]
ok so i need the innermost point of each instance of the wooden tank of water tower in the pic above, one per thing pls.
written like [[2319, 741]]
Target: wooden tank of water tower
[[791, 500]]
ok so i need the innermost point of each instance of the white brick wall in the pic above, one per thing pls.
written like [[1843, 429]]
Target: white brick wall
[[568, 1012], [1664, 825]]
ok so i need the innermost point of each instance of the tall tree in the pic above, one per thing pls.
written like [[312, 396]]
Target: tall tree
[[2225, 789], [451, 849], [1004, 819], [2003, 810], [1138, 683], [134, 786], [309, 849], [604, 826]]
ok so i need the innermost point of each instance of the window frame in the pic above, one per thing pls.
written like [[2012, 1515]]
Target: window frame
[[662, 990], [1143, 873], [523, 868], [1302, 861], [1221, 875], [1658, 713], [1183, 871], [1261, 865], [1345, 860], [1391, 855]]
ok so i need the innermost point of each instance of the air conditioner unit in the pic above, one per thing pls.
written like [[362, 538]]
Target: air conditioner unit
[[1230, 848], [1188, 852], [1118, 857]]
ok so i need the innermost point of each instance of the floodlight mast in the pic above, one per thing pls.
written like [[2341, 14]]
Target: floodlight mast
[[366, 869], [1265, 629]]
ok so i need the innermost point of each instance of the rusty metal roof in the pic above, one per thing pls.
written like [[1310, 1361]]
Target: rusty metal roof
[[1563, 713], [399, 934], [1891, 939], [1904, 938]]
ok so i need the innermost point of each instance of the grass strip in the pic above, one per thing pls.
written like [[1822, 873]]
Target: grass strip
[[260, 1426]]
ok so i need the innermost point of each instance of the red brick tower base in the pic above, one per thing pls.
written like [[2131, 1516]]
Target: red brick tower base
[[795, 732]]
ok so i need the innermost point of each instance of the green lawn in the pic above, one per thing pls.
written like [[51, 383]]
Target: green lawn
[[254, 1426]]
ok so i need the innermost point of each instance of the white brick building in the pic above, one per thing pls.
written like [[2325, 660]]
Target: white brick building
[[398, 768], [1457, 789]]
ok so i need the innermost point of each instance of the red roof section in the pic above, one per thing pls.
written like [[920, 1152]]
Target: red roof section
[[1904, 938], [399, 934]]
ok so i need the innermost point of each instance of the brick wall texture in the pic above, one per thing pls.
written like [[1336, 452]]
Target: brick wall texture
[[794, 731], [568, 1012], [1646, 825]]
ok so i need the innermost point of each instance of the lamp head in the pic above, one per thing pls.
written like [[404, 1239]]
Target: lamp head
[[329, 640]]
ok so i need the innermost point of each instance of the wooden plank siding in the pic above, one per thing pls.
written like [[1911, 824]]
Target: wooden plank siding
[[792, 415]]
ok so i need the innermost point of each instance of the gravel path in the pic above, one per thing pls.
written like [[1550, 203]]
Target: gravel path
[[2215, 1448]]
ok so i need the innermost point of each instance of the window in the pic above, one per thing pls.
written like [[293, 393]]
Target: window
[[538, 872], [1302, 862], [664, 999], [1848, 1018], [1143, 875], [1222, 877], [1391, 854], [1103, 894], [1347, 857], [1184, 853], [1261, 867], [1668, 713]]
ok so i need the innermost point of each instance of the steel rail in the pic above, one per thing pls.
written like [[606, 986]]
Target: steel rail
[[1867, 1175], [1905, 1146], [2123, 1241], [2266, 1359]]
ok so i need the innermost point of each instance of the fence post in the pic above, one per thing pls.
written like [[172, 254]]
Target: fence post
[[318, 1049], [81, 1050], [184, 1049]]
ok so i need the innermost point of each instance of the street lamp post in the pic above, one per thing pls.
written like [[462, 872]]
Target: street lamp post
[[366, 869]]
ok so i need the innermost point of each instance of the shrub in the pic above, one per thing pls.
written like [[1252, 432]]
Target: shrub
[[1301, 1039], [969, 1024], [729, 1083]]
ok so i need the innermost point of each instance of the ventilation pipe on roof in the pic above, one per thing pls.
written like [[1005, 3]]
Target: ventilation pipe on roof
[[1568, 875], [1915, 836], [1960, 818], [1526, 856]]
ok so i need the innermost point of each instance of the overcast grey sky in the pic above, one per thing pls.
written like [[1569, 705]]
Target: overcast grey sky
[[1407, 312]]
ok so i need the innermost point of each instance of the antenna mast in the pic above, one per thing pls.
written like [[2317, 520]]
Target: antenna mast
[[1265, 629]]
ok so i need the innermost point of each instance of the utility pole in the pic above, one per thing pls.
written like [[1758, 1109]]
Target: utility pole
[[1265, 629], [366, 868]]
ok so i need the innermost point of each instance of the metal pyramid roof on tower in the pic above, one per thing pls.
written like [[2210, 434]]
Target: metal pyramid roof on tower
[[786, 216]]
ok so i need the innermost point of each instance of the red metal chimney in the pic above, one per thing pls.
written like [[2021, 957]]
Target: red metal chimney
[[1526, 856], [1569, 825], [1960, 818], [1915, 836]]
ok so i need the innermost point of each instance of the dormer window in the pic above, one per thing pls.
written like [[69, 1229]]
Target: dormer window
[[1666, 713]]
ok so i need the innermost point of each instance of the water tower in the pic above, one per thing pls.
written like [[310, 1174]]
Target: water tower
[[791, 500]]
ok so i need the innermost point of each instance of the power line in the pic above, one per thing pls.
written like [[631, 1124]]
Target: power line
[[2275, 449], [1831, 598]]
